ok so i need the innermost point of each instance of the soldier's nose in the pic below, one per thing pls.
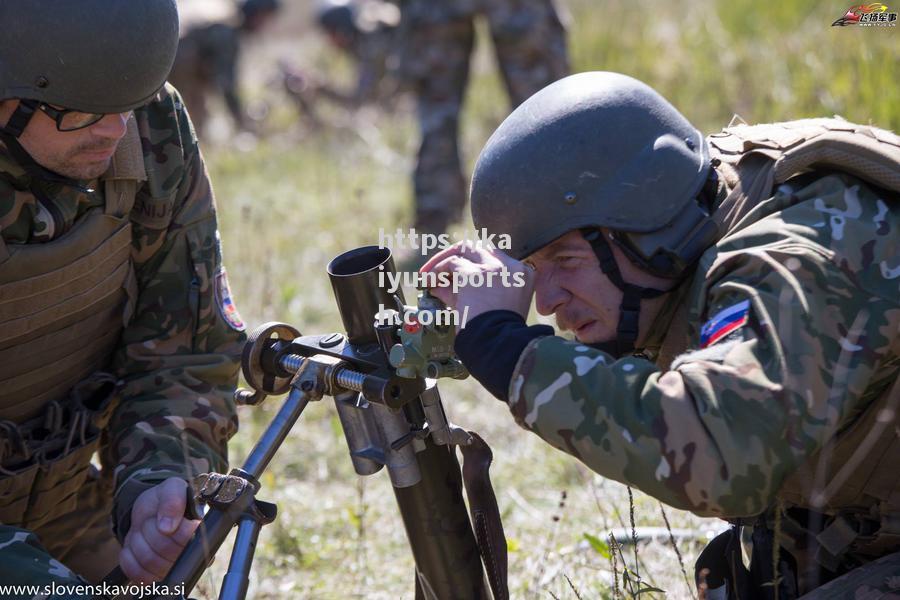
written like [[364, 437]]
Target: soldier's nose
[[548, 297], [112, 126]]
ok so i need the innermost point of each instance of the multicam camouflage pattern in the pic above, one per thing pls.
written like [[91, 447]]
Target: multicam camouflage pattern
[[178, 357], [27, 563], [529, 41], [720, 431]]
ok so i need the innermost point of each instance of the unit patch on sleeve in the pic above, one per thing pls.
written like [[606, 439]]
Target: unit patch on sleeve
[[724, 322], [227, 309]]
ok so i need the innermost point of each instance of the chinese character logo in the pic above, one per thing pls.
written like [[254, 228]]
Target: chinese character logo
[[868, 15]]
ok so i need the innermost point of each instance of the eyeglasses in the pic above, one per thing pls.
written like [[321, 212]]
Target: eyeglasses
[[70, 120]]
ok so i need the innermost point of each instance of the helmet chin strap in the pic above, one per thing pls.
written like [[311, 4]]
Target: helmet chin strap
[[10, 133], [630, 308]]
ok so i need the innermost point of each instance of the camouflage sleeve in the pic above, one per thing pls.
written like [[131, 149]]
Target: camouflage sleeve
[[368, 77], [179, 354], [372, 78], [803, 337], [29, 571]]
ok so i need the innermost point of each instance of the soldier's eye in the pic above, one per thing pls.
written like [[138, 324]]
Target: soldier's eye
[[568, 262]]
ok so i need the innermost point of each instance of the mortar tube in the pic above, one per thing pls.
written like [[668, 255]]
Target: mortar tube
[[433, 510], [354, 278], [439, 531]]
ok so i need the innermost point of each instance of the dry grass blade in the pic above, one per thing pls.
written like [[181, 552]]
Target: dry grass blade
[[572, 585], [687, 581]]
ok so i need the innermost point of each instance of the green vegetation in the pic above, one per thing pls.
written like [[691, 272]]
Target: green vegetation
[[292, 202]]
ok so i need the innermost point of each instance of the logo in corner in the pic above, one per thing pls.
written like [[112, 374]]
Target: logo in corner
[[226, 306], [868, 15]]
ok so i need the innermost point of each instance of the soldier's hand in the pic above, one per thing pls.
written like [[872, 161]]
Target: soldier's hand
[[479, 265], [158, 532]]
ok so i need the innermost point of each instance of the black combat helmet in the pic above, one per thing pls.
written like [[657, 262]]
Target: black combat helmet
[[600, 150], [92, 56], [338, 16], [95, 56], [594, 150], [251, 8]]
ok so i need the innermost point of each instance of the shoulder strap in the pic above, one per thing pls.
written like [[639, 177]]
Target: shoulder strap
[[126, 172], [755, 158], [868, 152]]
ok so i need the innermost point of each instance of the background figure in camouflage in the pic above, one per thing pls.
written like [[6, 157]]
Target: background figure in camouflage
[[529, 42], [207, 61], [118, 333], [761, 383], [367, 31]]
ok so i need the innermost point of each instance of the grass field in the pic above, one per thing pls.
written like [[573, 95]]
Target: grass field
[[290, 203]]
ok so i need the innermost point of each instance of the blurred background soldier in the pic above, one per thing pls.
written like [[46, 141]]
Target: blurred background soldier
[[208, 53], [530, 45], [367, 31]]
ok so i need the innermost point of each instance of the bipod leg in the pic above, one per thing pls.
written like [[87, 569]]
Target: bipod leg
[[216, 525], [229, 497], [237, 579]]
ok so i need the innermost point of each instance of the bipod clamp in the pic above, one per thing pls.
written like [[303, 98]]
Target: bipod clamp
[[223, 492], [235, 494]]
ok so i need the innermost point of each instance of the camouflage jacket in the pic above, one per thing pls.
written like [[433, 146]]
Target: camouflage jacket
[[518, 17], [178, 355], [793, 319], [374, 54], [208, 56]]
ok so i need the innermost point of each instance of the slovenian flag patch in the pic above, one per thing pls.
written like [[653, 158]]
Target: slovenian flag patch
[[227, 309], [725, 321]]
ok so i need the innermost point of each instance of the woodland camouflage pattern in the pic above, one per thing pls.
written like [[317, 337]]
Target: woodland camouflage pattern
[[530, 45], [718, 433], [178, 357]]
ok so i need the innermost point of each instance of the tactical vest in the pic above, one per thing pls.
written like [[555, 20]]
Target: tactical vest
[[861, 491], [63, 305]]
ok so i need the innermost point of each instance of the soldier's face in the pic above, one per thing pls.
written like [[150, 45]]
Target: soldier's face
[[81, 154], [339, 40], [570, 285]]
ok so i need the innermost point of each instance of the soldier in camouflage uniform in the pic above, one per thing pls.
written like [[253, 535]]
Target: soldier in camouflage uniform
[[736, 307], [529, 42], [118, 333], [207, 61], [367, 31]]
